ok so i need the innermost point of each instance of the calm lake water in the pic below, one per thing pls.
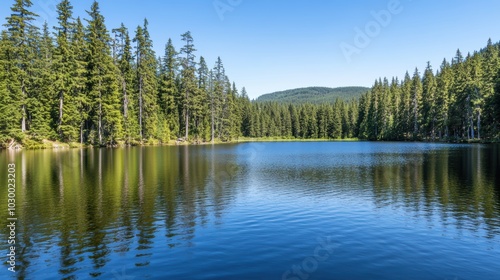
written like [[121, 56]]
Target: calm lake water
[[312, 210]]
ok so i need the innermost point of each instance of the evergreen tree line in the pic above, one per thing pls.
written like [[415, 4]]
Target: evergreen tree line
[[82, 83], [79, 82], [300, 121], [460, 102]]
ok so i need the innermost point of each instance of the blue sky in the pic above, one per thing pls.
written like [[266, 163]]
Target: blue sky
[[268, 45]]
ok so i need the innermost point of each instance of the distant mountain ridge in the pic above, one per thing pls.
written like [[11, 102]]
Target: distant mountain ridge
[[315, 95]]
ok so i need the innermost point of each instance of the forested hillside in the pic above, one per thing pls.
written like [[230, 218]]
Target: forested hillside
[[313, 95], [81, 82]]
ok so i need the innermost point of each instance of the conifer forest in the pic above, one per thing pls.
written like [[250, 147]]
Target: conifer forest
[[85, 83]]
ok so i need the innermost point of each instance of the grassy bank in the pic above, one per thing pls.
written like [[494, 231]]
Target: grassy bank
[[29, 144], [279, 139]]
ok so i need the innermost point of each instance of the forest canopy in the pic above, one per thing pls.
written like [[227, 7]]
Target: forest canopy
[[80, 82], [314, 95]]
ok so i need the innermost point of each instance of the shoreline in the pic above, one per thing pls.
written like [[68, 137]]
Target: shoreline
[[55, 145]]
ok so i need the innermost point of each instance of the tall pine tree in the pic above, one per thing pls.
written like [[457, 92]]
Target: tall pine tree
[[102, 83], [189, 88], [168, 90], [146, 83], [22, 33], [124, 62]]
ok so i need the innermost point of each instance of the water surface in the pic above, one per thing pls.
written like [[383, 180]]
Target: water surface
[[312, 210]]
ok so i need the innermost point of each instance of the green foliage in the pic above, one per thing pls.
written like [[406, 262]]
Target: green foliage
[[128, 100], [168, 90], [77, 84], [102, 83], [43, 82], [9, 101], [79, 76], [459, 103], [21, 55], [147, 87], [63, 68]]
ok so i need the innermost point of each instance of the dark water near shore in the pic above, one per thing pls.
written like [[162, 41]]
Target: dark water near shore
[[313, 210]]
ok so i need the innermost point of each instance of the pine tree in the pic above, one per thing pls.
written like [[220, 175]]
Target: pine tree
[[323, 116], [256, 120], [246, 114], [168, 90], [226, 111], [294, 115], [475, 94], [363, 116], [189, 85], [374, 117], [346, 124], [102, 87], [335, 123], [21, 32], [63, 67], [458, 98], [41, 125], [286, 119], [405, 108], [124, 62], [444, 82], [147, 83], [217, 98], [416, 103], [199, 101], [491, 68], [395, 92], [79, 71], [9, 100], [353, 112], [429, 110], [385, 111], [235, 109]]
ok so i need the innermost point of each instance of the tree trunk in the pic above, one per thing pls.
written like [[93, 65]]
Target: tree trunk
[[125, 99], [472, 128], [479, 125], [187, 115], [61, 104], [187, 124], [433, 132], [23, 120], [140, 108], [415, 119], [213, 123], [23, 110], [81, 133], [100, 115]]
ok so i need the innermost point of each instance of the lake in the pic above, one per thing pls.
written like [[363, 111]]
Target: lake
[[278, 210]]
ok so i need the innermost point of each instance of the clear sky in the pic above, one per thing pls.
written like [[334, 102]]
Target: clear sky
[[271, 45]]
